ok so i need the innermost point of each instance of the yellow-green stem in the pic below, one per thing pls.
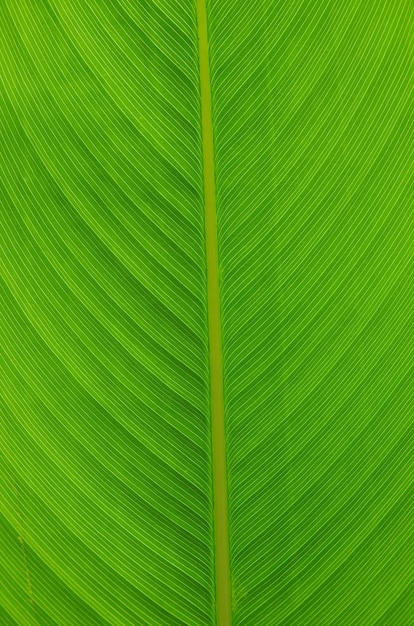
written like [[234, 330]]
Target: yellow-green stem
[[221, 526]]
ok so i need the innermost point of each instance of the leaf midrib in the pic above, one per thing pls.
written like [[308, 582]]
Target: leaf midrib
[[219, 473]]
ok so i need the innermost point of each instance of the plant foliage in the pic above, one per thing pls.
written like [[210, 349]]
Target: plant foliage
[[106, 507]]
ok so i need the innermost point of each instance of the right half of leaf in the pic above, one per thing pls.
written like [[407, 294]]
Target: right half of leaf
[[311, 109]]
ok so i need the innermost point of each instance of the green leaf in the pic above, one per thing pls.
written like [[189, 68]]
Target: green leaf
[[205, 313]]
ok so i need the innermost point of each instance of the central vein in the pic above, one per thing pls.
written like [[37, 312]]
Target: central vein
[[221, 532]]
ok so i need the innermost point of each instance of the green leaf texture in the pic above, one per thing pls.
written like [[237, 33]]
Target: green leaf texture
[[108, 511]]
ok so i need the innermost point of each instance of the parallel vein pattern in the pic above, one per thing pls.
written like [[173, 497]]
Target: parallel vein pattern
[[312, 117], [105, 445], [106, 506]]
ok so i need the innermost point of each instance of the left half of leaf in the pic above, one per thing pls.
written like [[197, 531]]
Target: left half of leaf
[[105, 446]]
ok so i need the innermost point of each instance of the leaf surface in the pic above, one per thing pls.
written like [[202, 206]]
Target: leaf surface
[[205, 313]]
